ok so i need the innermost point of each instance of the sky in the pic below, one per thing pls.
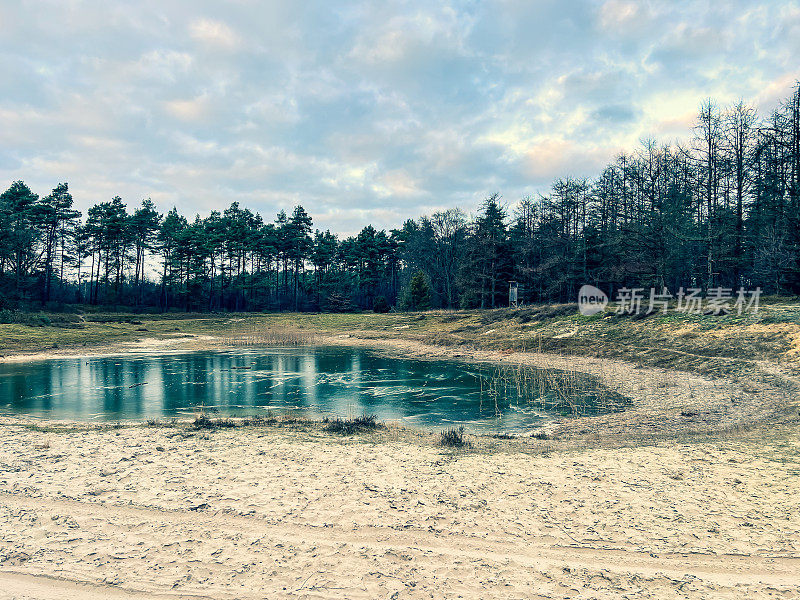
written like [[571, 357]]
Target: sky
[[364, 112]]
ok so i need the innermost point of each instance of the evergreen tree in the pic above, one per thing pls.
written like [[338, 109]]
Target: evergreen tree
[[418, 293], [19, 234]]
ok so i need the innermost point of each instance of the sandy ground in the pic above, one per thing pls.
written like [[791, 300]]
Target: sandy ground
[[690, 494], [145, 512]]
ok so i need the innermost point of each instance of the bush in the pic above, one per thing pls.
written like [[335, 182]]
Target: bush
[[338, 303], [380, 305], [351, 426], [454, 438], [202, 421], [17, 317]]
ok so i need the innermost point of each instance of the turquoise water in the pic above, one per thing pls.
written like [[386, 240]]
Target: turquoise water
[[314, 382]]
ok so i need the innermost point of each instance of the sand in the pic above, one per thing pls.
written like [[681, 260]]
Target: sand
[[142, 512], [692, 493]]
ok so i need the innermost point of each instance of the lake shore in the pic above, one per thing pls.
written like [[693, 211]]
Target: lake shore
[[665, 402], [295, 512]]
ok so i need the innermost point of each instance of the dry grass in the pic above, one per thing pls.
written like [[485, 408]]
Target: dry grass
[[265, 335], [454, 438], [569, 392], [352, 425]]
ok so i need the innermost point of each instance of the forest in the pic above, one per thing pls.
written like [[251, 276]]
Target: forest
[[720, 208]]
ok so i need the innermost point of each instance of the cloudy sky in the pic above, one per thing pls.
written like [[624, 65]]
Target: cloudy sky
[[363, 112]]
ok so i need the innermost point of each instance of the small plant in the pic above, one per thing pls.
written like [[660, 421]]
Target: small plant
[[202, 421], [353, 425], [454, 438], [258, 421]]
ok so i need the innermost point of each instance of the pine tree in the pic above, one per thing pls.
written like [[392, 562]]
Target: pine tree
[[418, 293]]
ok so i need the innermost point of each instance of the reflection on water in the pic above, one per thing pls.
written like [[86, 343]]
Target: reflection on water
[[312, 382]]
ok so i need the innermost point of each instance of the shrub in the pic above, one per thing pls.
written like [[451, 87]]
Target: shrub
[[338, 303], [351, 426], [203, 422], [454, 438], [18, 317], [259, 420]]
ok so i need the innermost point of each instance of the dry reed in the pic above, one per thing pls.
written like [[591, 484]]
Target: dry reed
[[270, 336], [568, 392]]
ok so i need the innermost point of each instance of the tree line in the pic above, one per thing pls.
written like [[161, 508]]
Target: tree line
[[720, 209]]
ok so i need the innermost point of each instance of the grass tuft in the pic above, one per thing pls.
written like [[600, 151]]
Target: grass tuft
[[202, 421], [353, 425], [454, 438]]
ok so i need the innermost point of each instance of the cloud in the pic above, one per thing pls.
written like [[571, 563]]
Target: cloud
[[215, 33], [193, 109], [565, 157], [412, 37], [161, 65], [364, 111], [616, 14], [615, 114], [396, 184]]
